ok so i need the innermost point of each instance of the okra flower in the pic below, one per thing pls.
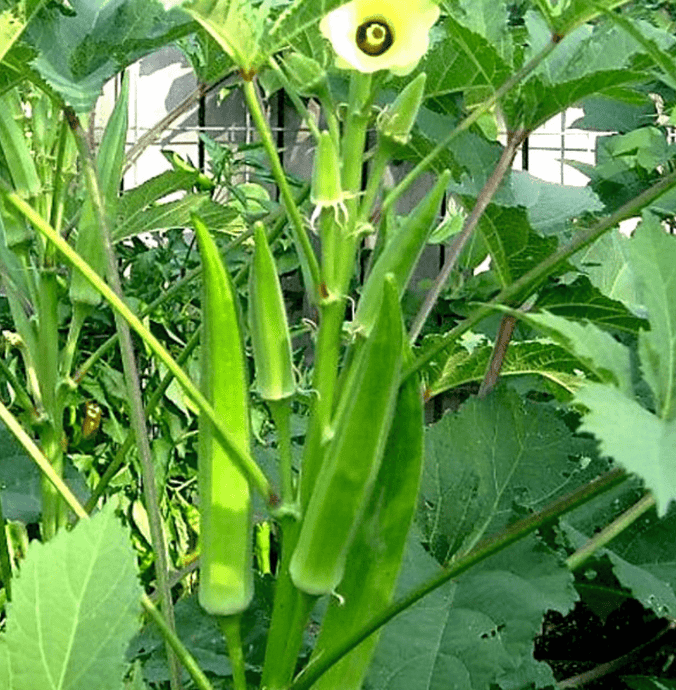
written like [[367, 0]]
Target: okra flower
[[372, 35]]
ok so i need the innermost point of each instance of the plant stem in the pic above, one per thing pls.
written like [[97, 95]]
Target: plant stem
[[184, 656], [459, 242], [608, 533], [290, 614], [281, 415], [295, 98], [312, 672], [231, 629], [137, 414], [306, 254], [247, 464]]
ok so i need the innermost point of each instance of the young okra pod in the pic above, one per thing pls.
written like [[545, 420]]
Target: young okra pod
[[401, 253], [343, 486], [267, 322], [375, 557], [226, 524]]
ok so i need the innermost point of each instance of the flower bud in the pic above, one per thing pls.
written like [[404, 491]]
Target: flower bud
[[397, 121], [326, 187]]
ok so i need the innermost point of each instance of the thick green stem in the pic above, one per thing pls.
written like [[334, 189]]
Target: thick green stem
[[306, 254], [281, 415], [53, 513], [231, 628], [290, 615], [325, 375], [518, 530]]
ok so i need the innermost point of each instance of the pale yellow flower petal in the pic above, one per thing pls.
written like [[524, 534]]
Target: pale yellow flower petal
[[372, 35]]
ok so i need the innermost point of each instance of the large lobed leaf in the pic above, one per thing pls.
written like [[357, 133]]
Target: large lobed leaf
[[489, 456], [478, 632], [75, 606]]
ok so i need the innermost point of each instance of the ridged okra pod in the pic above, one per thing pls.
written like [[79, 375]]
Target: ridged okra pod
[[376, 555], [344, 483], [226, 523], [401, 253], [267, 321]]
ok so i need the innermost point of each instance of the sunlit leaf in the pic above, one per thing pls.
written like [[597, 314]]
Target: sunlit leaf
[[75, 606]]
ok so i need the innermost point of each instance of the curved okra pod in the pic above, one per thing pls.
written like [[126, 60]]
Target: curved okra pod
[[401, 254], [344, 484], [226, 524], [376, 555]]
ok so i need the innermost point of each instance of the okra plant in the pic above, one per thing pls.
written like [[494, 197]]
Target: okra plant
[[291, 492]]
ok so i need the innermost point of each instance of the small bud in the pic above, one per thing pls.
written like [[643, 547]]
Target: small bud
[[327, 191], [398, 119]]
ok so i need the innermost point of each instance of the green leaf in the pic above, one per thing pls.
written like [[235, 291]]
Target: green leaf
[[485, 458], [652, 257], [477, 632], [550, 206], [488, 18], [299, 17], [601, 354], [582, 300], [79, 52], [637, 439], [75, 607], [237, 26], [13, 20], [651, 591], [542, 358], [463, 61], [541, 101], [648, 544], [514, 246]]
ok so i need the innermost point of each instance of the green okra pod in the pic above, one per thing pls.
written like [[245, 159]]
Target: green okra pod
[[362, 423], [226, 523], [375, 557], [401, 253], [268, 324]]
